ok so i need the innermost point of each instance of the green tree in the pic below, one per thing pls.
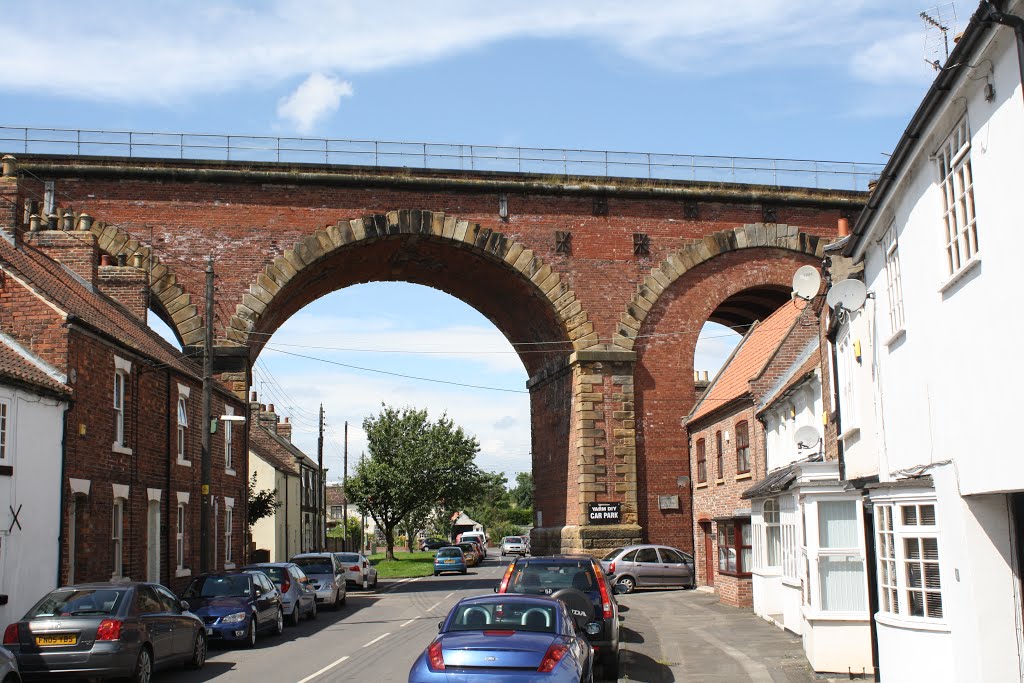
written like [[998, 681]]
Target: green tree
[[522, 493], [354, 532], [412, 462], [415, 521], [261, 503]]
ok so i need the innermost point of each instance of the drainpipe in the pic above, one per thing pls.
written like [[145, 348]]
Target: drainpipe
[[62, 537], [166, 521], [1017, 24]]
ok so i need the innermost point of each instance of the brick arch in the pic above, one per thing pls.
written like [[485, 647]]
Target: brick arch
[[691, 255], [435, 226]]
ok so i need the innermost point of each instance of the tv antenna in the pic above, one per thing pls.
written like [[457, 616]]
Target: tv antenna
[[939, 21]]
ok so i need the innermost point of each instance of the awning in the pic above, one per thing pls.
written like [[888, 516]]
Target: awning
[[777, 481]]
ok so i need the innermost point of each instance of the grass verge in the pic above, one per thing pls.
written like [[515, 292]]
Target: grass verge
[[404, 566]]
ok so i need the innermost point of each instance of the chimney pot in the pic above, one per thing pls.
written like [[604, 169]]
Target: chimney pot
[[253, 398], [51, 222], [10, 165], [270, 408], [69, 221], [34, 222], [85, 222], [106, 260], [122, 260], [844, 227], [137, 261]]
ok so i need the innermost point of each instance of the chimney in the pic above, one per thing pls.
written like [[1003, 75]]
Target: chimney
[[126, 285], [268, 418], [76, 251], [844, 226], [284, 429], [9, 197], [254, 409]]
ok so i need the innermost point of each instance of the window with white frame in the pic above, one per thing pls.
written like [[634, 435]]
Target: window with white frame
[[117, 536], [907, 544], [182, 428], [229, 513], [790, 543], [957, 185], [179, 537], [847, 363], [772, 533], [228, 441], [840, 562], [119, 431], [893, 279], [3, 431]]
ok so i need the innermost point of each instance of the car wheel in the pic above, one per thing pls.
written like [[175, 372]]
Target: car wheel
[[312, 610], [198, 652], [610, 664], [250, 640], [295, 616], [344, 597], [436, 573], [464, 571], [143, 667], [279, 623], [337, 600], [374, 584], [627, 582]]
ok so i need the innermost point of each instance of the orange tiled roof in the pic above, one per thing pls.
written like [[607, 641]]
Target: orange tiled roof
[[748, 360], [15, 367]]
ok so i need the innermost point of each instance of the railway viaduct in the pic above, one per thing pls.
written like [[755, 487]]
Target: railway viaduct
[[611, 278]]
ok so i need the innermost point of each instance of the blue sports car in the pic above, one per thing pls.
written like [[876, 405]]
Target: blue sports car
[[507, 638]]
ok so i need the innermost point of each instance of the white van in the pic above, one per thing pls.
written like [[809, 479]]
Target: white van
[[478, 536]]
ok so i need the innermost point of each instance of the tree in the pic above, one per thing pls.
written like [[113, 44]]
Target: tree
[[414, 521], [412, 462], [261, 503], [355, 533], [522, 493]]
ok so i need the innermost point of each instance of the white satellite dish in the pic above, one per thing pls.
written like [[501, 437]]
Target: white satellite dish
[[807, 437], [850, 294], [806, 282]]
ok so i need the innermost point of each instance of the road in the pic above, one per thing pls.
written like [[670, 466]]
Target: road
[[375, 637]]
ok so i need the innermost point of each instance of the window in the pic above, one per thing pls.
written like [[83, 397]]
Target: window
[[734, 547], [790, 547], [893, 281], [742, 448], [908, 560], [847, 362], [840, 566], [649, 555], [229, 442], [957, 184], [182, 429], [229, 512], [3, 431], [718, 456], [119, 433], [179, 539], [117, 534], [337, 511], [773, 533], [702, 464]]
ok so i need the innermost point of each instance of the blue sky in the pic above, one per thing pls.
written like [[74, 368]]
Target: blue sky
[[766, 78]]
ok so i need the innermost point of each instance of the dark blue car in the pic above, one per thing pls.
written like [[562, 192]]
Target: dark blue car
[[235, 606]]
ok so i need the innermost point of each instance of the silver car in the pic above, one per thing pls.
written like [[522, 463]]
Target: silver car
[[514, 545], [326, 576], [297, 596], [645, 566], [358, 570], [8, 667]]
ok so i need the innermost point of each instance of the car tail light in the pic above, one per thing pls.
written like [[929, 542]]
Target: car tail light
[[435, 658], [286, 584], [354, 568], [365, 564], [504, 579], [611, 568], [109, 629], [499, 632], [606, 599], [554, 655], [11, 634]]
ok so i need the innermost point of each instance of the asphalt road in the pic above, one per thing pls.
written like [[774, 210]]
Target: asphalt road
[[374, 637]]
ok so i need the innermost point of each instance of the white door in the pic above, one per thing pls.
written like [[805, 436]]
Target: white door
[[153, 542]]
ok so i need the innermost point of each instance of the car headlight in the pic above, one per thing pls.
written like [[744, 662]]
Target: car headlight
[[234, 618]]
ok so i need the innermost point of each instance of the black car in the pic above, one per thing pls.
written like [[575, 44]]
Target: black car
[[579, 582], [102, 630], [434, 544]]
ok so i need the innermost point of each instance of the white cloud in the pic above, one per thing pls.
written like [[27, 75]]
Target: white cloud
[[316, 98], [894, 59]]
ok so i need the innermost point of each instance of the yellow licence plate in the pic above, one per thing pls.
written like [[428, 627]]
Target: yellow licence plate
[[69, 639]]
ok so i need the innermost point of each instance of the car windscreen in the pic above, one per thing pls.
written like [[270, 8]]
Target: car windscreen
[[276, 574], [467, 547], [234, 586], [347, 557], [513, 539], [449, 552], [612, 554], [314, 565], [70, 602], [513, 616]]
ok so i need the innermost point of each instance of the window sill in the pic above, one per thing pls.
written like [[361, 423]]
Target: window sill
[[701, 485], [230, 472], [813, 614], [719, 482], [791, 582], [735, 575], [118, 448], [184, 463], [180, 572], [744, 476], [896, 337], [849, 433], [973, 263], [229, 565], [911, 623]]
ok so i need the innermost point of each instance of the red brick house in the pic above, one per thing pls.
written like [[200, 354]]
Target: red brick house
[[727, 449], [130, 489]]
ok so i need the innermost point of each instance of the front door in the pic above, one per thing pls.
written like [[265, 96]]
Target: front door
[[153, 542], [709, 553]]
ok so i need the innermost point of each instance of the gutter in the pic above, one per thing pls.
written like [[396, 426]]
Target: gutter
[[1013, 21]]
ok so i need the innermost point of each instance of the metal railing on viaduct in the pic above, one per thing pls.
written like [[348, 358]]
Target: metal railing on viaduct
[[838, 175]]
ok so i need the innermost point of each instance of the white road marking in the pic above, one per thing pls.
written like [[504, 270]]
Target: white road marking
[[325, 669], [409, 622], [449, 595], [399, 583], [380, 637], [429, 609]]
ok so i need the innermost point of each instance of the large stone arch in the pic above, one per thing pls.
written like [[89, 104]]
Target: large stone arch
[[691, 255], [490, 244]]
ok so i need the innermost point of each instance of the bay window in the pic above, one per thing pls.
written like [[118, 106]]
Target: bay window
[[907, 551], [734, 547]]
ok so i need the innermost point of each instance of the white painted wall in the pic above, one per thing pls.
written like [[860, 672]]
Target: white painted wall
[[28, 556]]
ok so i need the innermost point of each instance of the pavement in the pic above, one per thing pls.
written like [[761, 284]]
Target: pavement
[[687, 635]]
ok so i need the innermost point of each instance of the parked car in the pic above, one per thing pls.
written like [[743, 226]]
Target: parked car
[[514, 545], [8, 667], [358, 569], [471, 551], [297, 596], [580, 582], [434, 544], [642, 566], [326, 576], [477, 536], [236, 605], [508, 639], [102, 630], [450, 559]]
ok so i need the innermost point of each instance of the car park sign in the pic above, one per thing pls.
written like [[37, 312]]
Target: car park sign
[[604, 513]]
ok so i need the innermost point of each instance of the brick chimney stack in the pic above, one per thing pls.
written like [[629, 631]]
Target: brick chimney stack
[[9, 197], [125, 284], [268, 418], [284, 429]]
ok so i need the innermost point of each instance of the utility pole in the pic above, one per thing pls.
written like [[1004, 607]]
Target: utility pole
[[205, 464], [321, 493], [362, 529], [344, 489]]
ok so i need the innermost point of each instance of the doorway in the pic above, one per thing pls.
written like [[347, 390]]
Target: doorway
[[709, 553]]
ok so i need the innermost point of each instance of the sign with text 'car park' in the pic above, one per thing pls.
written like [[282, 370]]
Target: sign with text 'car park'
[[604, 513]]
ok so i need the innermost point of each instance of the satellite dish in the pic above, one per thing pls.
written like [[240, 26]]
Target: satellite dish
[[807, 437], [850, 294], [806, 282]]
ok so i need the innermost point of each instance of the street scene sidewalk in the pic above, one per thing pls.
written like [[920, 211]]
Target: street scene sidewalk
[[673, 635]]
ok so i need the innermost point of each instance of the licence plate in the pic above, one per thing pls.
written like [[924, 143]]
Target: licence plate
[[46, 641], [449, 561], [209, 631]]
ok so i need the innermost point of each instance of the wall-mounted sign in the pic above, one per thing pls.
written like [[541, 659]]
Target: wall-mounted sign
[[668, 502], [604, 513]]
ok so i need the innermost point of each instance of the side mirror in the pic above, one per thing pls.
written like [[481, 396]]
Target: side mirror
[[619, 589], [184, 605], [440, 624], [497, 586]]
